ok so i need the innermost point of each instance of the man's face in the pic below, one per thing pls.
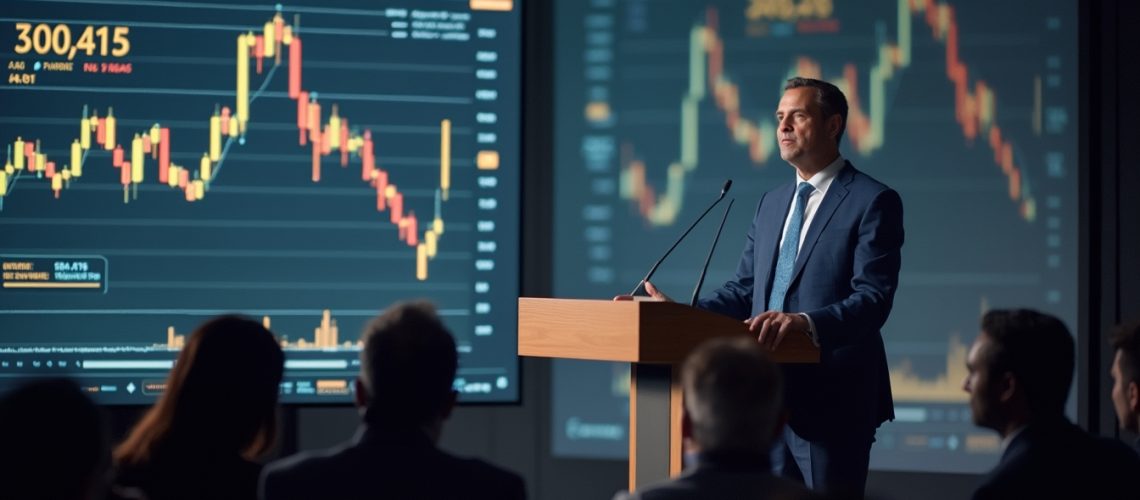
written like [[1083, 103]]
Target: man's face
[[980, 383], [1122, 397], [802, 131]]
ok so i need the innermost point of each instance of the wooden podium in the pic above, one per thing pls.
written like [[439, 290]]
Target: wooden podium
[[654, 337]]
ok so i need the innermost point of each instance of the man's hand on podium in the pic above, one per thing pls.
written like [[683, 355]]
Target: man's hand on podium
[[773, 326], [654, 294]]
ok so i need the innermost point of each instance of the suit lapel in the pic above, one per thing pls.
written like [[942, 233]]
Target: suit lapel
[[770, 225], [831, 201]]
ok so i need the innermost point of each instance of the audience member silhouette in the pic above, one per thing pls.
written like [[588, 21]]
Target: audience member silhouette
[[1126, 378], [733, 411], [216, 415], [404, 392], [53, 444], [1020, 372]]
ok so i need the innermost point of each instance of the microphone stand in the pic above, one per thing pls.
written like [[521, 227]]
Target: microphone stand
[[705, 269], [723, 191]]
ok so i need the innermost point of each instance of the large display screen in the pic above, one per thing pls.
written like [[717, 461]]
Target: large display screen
[[306, 165], [967, 109]]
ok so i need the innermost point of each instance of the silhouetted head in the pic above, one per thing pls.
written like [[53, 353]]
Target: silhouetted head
[[1126, 376], [733, 396], [53, 443], [1020, 368], [408, 366], [220, 398]]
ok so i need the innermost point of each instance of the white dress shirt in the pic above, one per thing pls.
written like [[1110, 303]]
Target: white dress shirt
[[820, 181]]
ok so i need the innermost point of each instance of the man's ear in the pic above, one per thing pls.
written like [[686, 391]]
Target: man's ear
[[834, 125], [1008, 387], [1134, 397], [361, 397]]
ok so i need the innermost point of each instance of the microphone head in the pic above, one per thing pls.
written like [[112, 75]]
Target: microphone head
[[727, 184]]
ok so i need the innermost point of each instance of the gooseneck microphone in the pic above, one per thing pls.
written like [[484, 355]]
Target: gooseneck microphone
[[705, 269], [723, 191]]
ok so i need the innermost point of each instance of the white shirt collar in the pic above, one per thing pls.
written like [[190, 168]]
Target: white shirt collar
[[822, 179]]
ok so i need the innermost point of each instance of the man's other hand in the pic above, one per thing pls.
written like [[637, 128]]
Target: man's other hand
[[655, 293], [771, 327]]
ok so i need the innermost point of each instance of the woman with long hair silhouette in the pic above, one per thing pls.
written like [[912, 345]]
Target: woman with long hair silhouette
[[217, 414]]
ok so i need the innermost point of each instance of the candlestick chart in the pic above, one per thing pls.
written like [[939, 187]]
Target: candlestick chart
[[967, 110], [307, 165]]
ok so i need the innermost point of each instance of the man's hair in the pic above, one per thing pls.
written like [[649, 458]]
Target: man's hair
[[830, 99], [55, 442], [1038, 350], [1126, 340], [733, 394], [408, 365]]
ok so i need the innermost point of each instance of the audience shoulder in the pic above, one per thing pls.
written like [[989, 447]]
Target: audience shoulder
[[1118, 453], [496, 477], [277, 477]]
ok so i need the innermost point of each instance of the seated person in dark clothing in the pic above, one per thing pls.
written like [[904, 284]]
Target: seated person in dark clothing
[[1126, 378], [217, 414], [1020, 371], [405, 393], [54, 445], [733, 411]]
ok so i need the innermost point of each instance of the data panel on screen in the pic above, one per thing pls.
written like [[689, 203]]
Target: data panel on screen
[[306, 165], [968, 109]]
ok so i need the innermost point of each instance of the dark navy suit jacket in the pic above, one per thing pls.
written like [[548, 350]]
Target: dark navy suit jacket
[[725, 476], [1056, 459], [845, 278], [387, 463]]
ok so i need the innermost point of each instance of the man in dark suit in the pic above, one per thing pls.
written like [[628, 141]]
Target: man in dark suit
[[1126, 378], [1020, 369], [733, 410], [404, 390], [55, 443], [822, 259]]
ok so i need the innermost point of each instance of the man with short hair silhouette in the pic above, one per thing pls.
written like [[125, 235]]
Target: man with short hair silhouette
[[405, 393], [1020, 371], [54, 443], [1126, 378], [733, 411]]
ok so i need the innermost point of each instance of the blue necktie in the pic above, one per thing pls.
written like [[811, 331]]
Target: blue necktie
[[788, 250]]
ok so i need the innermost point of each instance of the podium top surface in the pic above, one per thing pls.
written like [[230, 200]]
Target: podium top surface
[[632, 331]]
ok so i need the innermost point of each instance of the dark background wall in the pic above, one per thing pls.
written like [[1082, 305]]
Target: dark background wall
[[517, 436]]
